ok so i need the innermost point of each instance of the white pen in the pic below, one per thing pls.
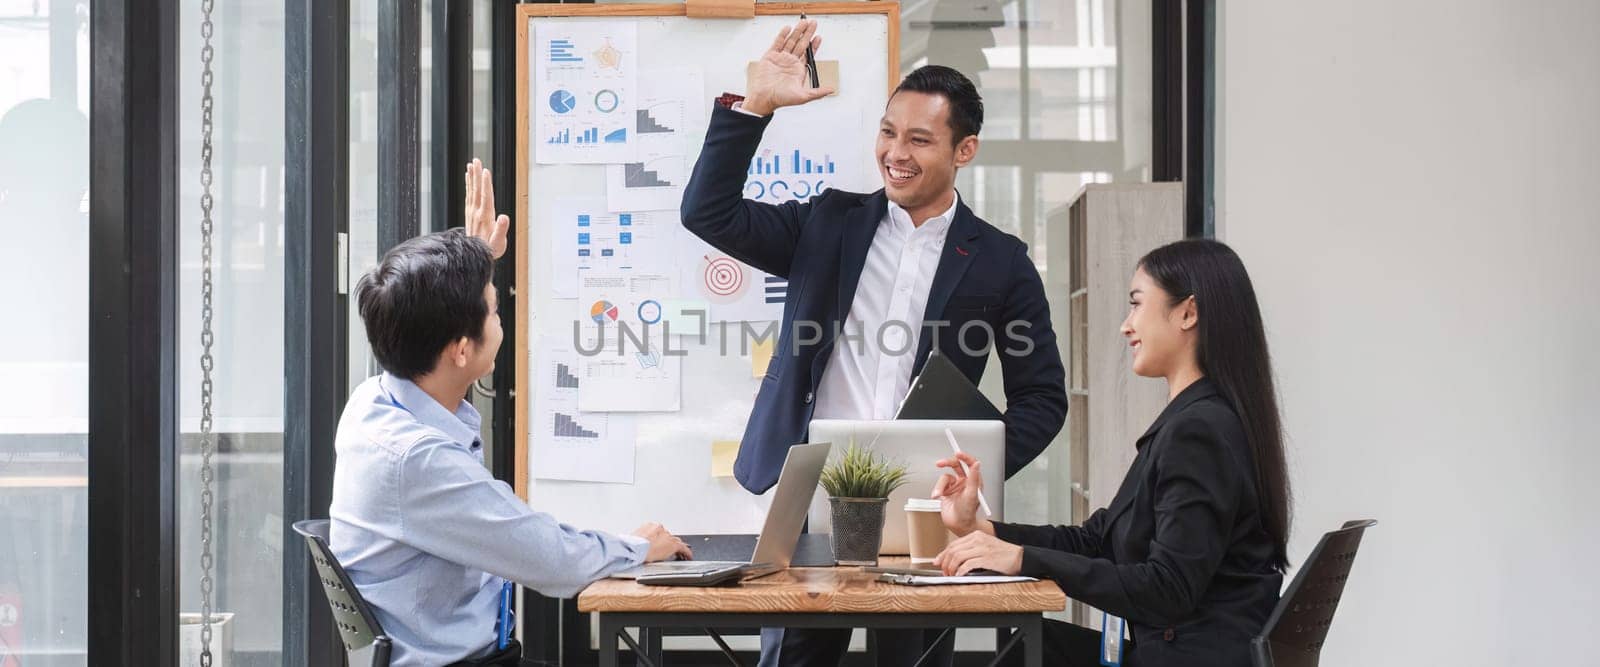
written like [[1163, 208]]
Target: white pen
[[982, 501]]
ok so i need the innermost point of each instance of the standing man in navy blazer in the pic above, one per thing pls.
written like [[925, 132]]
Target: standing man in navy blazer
[[875, 282]]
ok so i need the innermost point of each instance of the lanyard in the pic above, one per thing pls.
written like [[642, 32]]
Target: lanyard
[[502, 625], [1111, 640]]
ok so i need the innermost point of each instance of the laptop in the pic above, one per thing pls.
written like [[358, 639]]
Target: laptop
[[941, 391], [917, 443], [775, 546]]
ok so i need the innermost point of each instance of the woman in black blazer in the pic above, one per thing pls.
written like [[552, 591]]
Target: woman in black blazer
[[1191, 551]]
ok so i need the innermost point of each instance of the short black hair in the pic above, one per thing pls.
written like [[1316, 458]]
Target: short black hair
[[966, 105], [426, 293]]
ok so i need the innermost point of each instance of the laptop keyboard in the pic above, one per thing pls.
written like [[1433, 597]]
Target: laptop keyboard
[[682, 567], [713, 552]]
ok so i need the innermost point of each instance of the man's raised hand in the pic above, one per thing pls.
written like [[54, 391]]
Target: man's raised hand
[[779, 79], [481, 220]]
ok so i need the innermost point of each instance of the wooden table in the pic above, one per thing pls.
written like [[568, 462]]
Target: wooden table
[[837, 597]]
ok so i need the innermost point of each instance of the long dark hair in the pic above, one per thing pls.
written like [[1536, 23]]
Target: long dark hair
[[1233, 353]]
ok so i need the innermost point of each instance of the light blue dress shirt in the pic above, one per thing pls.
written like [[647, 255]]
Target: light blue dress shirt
[[429, 536]]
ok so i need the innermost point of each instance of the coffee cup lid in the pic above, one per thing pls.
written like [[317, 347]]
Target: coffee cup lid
[[922, 505]]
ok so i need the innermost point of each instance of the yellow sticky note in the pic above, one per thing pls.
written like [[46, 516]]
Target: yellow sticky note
[[722, 454], [761, 356], [827, 75]]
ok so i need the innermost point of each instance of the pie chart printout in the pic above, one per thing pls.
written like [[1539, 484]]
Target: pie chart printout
[[602, 312], [562, 101]]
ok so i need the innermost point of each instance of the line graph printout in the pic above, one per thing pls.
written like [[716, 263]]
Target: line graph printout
[[668, 120], [585, 77]]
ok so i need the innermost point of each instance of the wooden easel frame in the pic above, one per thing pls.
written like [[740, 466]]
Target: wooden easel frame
[[525, 12]]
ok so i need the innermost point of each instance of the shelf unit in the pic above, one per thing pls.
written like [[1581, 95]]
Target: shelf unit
[[1109, 227]]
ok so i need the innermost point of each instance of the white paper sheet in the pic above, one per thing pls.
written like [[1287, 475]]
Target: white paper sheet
[[919, 580], [567, 443], [585, 78], [622, 373], [630, 300], [584, 237], [735, 291], [795, 163], [671, 110]]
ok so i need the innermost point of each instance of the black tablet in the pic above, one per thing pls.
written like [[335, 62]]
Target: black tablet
[[942, 392]]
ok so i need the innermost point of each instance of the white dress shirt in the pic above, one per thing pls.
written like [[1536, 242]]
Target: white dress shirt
[[869, 369]]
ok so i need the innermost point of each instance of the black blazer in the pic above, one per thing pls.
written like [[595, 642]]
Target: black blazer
[[820, 246], [1181, 552]]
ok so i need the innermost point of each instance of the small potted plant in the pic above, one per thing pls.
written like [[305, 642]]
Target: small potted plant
[[858, 485]]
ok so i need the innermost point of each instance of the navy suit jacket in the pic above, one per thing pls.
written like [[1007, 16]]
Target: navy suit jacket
[[820, 246]]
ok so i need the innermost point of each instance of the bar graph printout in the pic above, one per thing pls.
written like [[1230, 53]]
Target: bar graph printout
[[668, 124], [795, 163], [585, 77], [568, 444]]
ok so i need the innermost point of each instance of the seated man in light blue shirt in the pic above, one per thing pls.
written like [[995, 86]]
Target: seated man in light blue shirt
[[426, 533]]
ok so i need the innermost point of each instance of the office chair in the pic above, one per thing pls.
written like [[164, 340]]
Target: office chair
[[364, 641], [1294, 633]]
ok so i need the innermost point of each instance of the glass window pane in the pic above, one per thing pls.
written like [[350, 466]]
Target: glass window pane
[[44, 215], [247, 323], [972, 36], [483, 148], [363, 172], [1073, 66], [425, 221], [483, 84], [992, 192], [1052, 74]]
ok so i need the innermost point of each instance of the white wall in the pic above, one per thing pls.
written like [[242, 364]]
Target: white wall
[[1411, 185]]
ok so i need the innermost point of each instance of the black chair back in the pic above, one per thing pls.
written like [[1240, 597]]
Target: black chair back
[[1294, 634], [364, 641]]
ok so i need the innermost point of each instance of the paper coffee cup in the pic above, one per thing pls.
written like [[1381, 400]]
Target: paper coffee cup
[[926, 530]]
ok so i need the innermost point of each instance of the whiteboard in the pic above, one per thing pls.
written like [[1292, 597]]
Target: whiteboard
[[672, 481]]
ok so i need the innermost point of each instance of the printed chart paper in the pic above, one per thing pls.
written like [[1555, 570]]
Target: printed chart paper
[[670, 117], [567, 443], [583, 93], [585, 237], [615, 300], [629, 373], [735, 291]]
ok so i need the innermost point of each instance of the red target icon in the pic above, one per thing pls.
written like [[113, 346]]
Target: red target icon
[[724, 276]]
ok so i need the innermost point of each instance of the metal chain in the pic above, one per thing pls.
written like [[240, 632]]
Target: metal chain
[[207, 443]]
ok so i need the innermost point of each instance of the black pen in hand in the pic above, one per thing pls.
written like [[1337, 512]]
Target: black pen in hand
[[811, 62]]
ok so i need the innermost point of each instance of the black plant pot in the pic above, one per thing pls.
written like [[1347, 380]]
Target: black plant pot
[[857, 529]]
